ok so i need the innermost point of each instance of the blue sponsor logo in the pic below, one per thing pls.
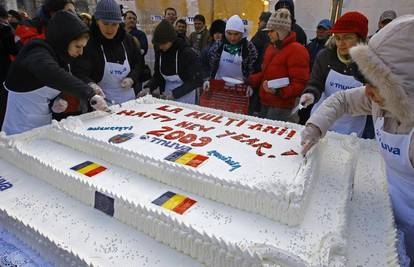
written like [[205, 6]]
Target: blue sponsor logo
[[165, 143], [111, 128], [4, 184], [228, 160], [341, 86]]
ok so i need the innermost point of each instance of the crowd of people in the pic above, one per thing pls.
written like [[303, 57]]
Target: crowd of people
[[61, 63]]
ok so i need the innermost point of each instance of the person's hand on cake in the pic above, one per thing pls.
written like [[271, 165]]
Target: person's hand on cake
[[99, 103], [145, 91], [59, 105], [307, 99], [206, 86], [309, 137], [167, 96], [97, 89], [127, 83], [156, 92]]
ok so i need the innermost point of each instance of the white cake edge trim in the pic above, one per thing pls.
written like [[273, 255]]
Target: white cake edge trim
[[39, 242]]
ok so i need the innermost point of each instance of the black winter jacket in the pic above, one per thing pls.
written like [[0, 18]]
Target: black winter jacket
[[189, 68], [45, 62], [326, 60], [7, 47], [90, 66]]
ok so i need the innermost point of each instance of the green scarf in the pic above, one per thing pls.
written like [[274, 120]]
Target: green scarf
[[232, 49]]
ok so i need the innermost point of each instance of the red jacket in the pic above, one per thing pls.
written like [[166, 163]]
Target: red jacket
[[291, 61]]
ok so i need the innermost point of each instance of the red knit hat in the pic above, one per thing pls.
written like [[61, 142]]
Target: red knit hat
[[352, 22]]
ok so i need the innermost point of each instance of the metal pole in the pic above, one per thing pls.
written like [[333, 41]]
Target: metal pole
[[336, 9]]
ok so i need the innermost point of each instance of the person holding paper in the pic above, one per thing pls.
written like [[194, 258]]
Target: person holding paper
[[285, 70]]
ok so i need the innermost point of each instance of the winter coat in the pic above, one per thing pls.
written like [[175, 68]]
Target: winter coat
[[189, 69], [34, 28], [248, 52], [261, 41], [142, 38], [292, 61], [314, 47], [45, 63], [199, 40], [326, 60], [7, 47], [91, 65]]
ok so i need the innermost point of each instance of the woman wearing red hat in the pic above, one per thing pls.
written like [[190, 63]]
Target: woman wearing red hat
[[332, 71]]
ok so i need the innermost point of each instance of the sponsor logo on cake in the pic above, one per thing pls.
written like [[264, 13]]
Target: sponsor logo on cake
[[174, 202], [121, 138], [111, 128], [186, 158], [89, 168], [227, 159], [165, 143], [4, 184]]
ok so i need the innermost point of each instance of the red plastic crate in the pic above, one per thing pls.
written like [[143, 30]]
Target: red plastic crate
[[224, 97]]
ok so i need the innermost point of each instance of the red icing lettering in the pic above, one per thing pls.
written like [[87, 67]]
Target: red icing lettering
[[271, 129], [172, 110]]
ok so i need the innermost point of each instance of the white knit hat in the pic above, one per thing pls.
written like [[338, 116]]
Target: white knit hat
[[235, 23]]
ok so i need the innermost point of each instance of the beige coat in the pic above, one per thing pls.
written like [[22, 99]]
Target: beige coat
[[387, 62]]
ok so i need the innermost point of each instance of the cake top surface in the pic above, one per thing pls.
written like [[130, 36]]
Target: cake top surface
[[255, 153]]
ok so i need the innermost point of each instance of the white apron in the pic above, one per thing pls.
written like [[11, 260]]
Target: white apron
[[347, 124], [230, 66], [28, 110], [400, 175], [174, 81], [113, 75]]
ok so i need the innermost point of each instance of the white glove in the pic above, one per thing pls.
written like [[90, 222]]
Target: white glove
[[307, 99], [156, 92], [309, 137], [59, 105], [99, 103], [206, 86], [145, 91], [167, 95], [249, 91], [127, 83], [97, 89]]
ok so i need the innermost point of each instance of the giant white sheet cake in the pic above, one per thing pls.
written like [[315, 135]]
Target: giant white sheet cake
[[131, 177]]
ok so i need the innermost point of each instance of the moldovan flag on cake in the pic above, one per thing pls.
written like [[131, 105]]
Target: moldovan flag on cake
[[175, 202], [89, 168], [185, 158]]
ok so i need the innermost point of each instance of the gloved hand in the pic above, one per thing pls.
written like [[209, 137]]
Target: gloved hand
[[127, 83], [249, 91], [206, 86], [309, 137], [59, 105], [307, 99], [97, 89], [99, 103], [167, 95], [156, 92], [145, 91]]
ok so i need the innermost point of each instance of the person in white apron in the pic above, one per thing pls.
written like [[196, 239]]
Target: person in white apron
[[177, 69], [112, 59], [385, 67], [40, 73], [332, 71]]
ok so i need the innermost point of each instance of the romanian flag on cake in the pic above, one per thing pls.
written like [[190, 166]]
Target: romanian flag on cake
[[89, 168], [186, 158], [174, 202]]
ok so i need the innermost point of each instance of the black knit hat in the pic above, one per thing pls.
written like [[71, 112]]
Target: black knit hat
[[218, 26], [3, 12], [164, 33], [56, 5]]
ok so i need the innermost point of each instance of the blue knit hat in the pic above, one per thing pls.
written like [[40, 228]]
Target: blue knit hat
[[109, 11]]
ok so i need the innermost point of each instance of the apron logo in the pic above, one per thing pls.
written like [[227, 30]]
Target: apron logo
[[4, 184], [118, 72], [393, 150], [340, 86]]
